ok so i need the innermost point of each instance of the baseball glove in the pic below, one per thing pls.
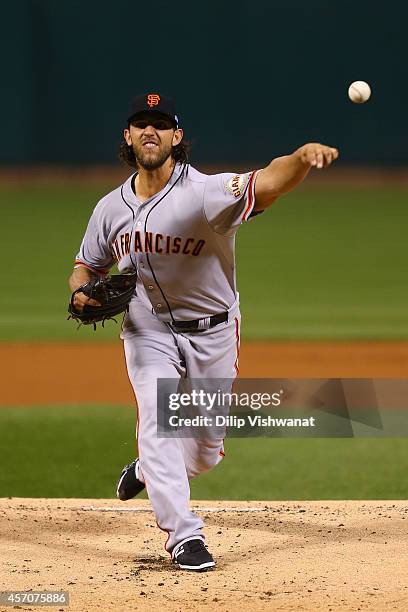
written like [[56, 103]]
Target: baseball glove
[[112, 292]]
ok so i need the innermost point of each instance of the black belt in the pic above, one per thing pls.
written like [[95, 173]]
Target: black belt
[[199, 324]]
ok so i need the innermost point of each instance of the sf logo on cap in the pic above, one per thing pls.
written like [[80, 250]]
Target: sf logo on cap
[[153, 100]]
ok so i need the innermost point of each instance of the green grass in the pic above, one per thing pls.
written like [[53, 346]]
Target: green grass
[[44, 231], [78, 451], [64, 451], [326, 265], [318, 265]]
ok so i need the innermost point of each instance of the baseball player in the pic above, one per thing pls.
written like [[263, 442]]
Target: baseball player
[[176, 227]]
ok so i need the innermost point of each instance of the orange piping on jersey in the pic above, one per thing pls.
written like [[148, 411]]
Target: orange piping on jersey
[[138, 424], [147, 489], [221, 453], [138, 454], [137, 405], [168, 538], [250, 205], [161, 528], [146, 485], [78, 262], [237, 339]]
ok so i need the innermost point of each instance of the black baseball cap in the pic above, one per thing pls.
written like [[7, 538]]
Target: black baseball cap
[[155, 103]]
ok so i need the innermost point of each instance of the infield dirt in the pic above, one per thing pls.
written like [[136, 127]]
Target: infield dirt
[[271, 556], [41, 374]]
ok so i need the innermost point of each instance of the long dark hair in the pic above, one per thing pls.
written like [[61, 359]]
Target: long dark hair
[[179, 153]]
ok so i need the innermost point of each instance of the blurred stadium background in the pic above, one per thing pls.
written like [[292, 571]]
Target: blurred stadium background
[[327, 263]]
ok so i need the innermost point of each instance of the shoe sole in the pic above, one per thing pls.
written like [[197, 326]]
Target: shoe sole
[[126, 497], [210, 565], [118, 487]]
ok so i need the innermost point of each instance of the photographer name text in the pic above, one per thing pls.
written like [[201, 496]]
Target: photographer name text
[[239, 422]]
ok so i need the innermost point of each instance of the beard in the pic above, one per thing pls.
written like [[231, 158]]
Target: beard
[[151, 159]]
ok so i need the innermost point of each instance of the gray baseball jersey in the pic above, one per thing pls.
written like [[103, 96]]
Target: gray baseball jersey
[[182, 243], [181, 240]]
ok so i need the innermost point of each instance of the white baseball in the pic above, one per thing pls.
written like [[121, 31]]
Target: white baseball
[[359, 92]]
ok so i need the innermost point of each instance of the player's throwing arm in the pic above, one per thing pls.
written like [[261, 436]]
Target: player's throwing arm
[[285, 173]]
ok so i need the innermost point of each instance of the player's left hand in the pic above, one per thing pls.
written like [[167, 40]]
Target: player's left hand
[[317, 155]]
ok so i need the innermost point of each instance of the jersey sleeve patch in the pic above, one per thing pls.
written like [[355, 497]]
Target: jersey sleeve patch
[[236, 185], [228, 201]]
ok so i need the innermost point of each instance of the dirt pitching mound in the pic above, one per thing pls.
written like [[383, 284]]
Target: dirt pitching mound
[[284, 556]]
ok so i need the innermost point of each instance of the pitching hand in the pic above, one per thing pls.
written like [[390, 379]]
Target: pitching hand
[[317, 155]]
